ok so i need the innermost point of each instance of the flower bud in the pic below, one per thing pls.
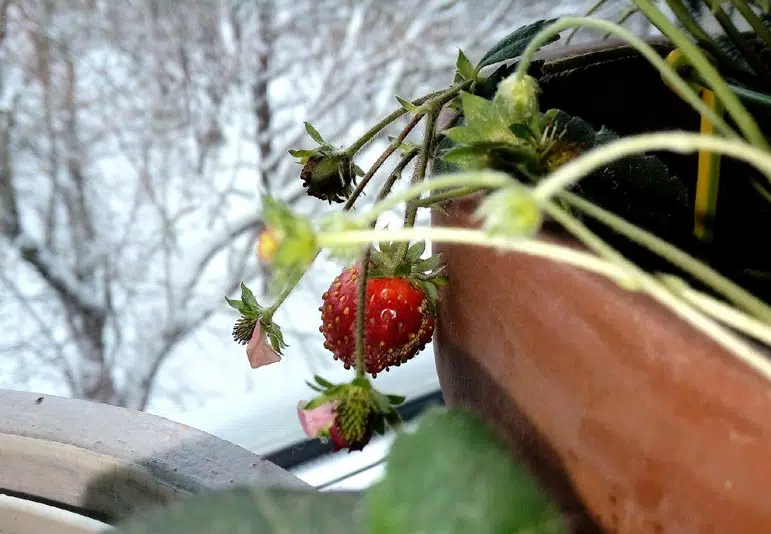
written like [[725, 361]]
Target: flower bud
[[328, 176], [517, 99], [511, 212]]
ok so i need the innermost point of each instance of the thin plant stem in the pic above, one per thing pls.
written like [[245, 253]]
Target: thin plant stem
[[739, 296], [396, 173], [627, 14], [685, 91], [727, 315], [592, 10], [382, 159], [738, 40], [690, 24], [682, 142], [267, 316], [361, 304], [533, 247], [447, 195], [485, 178], [753, 20], [420, 169], [741, 349], [701, 64]]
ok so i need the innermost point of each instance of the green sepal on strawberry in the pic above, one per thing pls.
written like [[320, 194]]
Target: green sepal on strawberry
[[401, 295], [348, 415], [252, 314]]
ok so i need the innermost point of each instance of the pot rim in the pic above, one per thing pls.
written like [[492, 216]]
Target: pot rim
[[108, 462]]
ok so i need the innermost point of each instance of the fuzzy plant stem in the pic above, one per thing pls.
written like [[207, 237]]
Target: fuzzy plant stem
[[737, 295], [369, 135], [420, 170], [684, 90], [396, 174], [380, 160], [267, 316], [701, 64]]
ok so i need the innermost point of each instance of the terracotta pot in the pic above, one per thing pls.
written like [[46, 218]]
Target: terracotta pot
[[633, 420]]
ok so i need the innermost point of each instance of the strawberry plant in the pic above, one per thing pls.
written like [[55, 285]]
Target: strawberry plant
[[526, 165]]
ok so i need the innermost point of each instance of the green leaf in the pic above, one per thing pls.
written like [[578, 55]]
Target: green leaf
[[406, 104], [468, 157], [249, 299], [242, 308], [464, 67], [396, 400], [469, 482], [323, 382], [358, 170], [429, 264], [254, 511], [302, 155], [315, 135], [416, 250], [523, 131], [314, 387], [514, 44], [463, 135]]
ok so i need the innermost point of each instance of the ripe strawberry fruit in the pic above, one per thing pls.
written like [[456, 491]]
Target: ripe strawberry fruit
[[399, 314]]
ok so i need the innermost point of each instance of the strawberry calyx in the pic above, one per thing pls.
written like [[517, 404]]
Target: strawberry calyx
[[252, 314], [427, 274], [349, 414]]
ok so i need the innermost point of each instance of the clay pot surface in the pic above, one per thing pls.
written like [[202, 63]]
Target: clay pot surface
[[635, 421]]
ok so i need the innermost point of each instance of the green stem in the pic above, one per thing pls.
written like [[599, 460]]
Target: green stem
[[753, 20], [742, 350], [485, 178], [701, 64], [691, 25], [396, 174], [628, 13], [436, 96], [462, 236], [740, 297], [685, 91], [267, 316], [733, 33], [589, 13], [747, 95], [728, 315], [382, 159], [361, 305], [420, 170], [447, 195], [681, 142]]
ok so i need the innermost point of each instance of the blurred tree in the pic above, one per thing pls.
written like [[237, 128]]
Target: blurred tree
[[136, 138]]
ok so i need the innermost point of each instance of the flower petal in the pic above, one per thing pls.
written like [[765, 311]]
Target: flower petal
[[316, 420], [258, 351]]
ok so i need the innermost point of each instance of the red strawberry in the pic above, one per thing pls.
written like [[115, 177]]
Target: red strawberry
[[399, 320]]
